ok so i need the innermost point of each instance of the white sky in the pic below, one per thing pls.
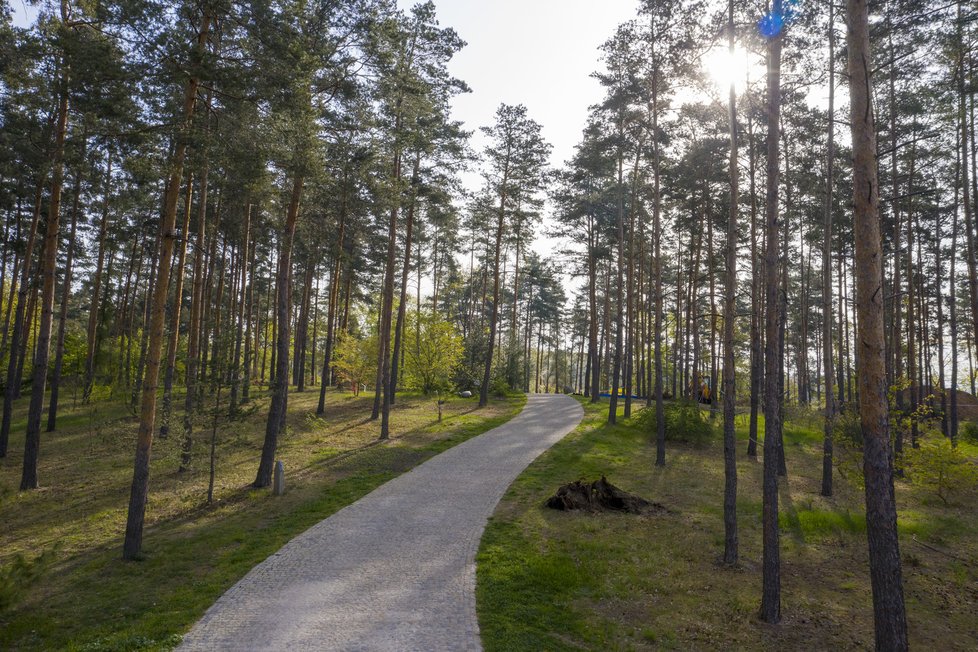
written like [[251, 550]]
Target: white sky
[[534, 52]]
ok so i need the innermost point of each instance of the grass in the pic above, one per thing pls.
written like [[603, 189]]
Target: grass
[[551, 580], [83, 597]]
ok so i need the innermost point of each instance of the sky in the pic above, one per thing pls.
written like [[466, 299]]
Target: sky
[[534, 52]]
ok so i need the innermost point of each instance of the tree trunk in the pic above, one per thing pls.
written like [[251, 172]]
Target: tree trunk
[[405, 272], [881, 523], [757, 302], [771, 580], [93, 319], [280, 386], [620, 286], [147, 416], [173, 340], [193, 335], [660, 417], [32, 444], [18, 333], [334, 290], [494, 314], [729, 314], [828, 372], [243, 292], [59, 346]]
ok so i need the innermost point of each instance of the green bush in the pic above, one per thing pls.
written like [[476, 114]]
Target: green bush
[[18, 574], [968, 430], [805, 416], [940, 467], [848, 431], [500, 387], [683, 423]]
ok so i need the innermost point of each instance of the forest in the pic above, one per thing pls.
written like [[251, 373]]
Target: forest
[[236, 228]]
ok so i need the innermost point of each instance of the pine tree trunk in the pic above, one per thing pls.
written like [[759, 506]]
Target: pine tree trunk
[[828, 372], [59, 346], [32, 444], [881, 523], [660, 417], [592, 293], [402, 304], [250, 347], [140, 481], [174, 335], [280, 386], [194, 330], [969, 218], [729, 314], [19, 330], [757, 303], [630, 289], [620, 287], [334, 290], [302, 329], [494, 313], [771, 575], [93, 312], [246, 255]]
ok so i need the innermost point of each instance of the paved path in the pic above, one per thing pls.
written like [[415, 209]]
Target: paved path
[[396, 569]]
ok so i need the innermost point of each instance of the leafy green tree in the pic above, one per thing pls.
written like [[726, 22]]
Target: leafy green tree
[[434, 349], [355, 359]]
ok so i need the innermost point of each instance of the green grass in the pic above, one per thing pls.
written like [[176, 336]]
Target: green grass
[[86, 598], [550, 580]]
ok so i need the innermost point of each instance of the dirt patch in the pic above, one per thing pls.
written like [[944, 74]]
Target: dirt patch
[[601, 496]]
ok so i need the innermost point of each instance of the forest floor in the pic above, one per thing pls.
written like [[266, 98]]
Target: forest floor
[[62, 582], [550, 580]]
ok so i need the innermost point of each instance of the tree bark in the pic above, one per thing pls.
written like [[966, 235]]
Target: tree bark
[[32, 444], [280, 386], [881, 523], [194, 331], [10, 389], [173, 340], [93, 318], [59, 347], [144, 441], [243, 292], [405, 272], [771, 580], [494, 314], [729, 314], [828, 372]]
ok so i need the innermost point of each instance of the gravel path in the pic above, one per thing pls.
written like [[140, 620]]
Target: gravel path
[[396, 569]]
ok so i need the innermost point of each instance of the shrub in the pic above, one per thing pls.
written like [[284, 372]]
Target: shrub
[[940, 467], [500, 388], [968, 430], [683, 423], [848, 430], [18, 574], [805, 416]]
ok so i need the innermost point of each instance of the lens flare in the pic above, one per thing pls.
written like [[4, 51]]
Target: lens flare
[[782, 13]]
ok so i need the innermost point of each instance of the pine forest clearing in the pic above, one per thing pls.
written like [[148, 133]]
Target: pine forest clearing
[[242, 237]]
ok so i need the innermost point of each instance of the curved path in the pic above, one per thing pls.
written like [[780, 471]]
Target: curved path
[[396, 569]]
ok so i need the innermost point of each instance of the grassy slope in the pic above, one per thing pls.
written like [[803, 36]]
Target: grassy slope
[[87, 599], [553, 581]]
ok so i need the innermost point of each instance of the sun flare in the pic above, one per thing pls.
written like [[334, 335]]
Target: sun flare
[[722, 68]]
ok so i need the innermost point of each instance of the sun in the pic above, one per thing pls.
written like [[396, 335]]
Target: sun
[[722, 68]]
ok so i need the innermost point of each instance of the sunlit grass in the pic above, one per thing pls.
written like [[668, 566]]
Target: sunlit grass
[[558, 581], [89, 599]]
